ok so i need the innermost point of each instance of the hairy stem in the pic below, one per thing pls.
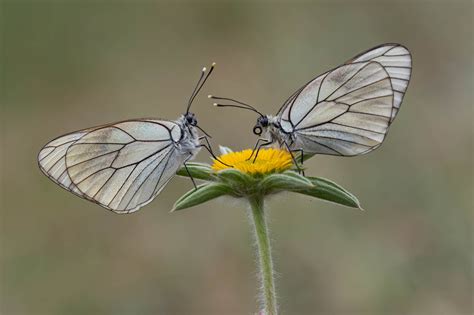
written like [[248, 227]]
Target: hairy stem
[[264, 256]]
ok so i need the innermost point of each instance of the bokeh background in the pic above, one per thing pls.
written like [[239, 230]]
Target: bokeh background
[[68, 65]]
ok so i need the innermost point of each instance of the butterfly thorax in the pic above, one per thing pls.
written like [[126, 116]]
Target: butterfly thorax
[[272, 131], [189, 142]]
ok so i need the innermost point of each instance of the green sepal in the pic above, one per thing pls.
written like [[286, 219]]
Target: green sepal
[[201, 194], [234, 177], [295, 174], [330, 191], [285, 181], [197, 170]]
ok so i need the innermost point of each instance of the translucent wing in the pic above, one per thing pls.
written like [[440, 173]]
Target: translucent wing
[[396, 59], [347, 111], [121, 167], [52, 160]]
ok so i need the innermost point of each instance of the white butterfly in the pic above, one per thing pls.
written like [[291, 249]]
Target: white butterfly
[[124, 165], [346, 111]]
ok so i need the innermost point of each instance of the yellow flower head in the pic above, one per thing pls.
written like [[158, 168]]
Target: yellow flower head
[[268, 161]]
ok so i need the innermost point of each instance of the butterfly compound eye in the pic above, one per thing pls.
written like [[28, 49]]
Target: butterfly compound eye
[[257, 130], [191, 119]]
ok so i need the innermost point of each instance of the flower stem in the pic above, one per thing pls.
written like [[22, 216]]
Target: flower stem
[[264, 256]]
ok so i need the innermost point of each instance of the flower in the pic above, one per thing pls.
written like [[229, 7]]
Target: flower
[[271, 173], [266, 162]]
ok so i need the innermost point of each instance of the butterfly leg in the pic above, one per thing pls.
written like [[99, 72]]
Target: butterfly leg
[[256, 146], [259, 147], [187, 170], [208, 147], [300, 170], [301, 152], [206, 139]]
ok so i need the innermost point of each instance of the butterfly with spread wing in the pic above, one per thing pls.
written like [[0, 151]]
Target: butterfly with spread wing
[[123, 166], [346, 111]]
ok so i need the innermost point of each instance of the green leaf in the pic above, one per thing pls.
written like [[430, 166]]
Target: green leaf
[[197, 170], [234, 177], [202, 194], [330, 191], [331, 183], [285, 181]]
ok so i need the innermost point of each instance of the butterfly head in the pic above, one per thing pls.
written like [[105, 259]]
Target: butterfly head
[[190, 119], [261, 125]]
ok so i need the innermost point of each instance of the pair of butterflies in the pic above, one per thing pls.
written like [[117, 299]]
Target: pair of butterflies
[[346, 111]]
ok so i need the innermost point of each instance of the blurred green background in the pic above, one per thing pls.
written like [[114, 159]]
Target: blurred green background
[[68, 65]]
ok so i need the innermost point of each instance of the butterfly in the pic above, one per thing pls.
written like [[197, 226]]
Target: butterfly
[[123, 166], [346, 111]]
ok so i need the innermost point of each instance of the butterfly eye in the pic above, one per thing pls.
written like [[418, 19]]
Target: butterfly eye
[[257, 130]]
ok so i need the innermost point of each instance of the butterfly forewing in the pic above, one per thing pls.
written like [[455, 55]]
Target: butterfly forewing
[[396, 60], [347, 111], [121, 166]]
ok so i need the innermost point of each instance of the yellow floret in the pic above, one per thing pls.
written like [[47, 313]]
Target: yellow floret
[[268, 161]]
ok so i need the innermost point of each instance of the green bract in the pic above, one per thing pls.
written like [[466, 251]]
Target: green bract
[[234, 183]]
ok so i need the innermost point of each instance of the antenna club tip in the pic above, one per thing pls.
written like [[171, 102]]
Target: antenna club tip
[[213, 64], [209, 96], [215, 104], [204, 69]]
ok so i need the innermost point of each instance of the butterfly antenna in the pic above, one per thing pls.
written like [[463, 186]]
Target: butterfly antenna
[[203, 71], [202, 79], [241, 104]]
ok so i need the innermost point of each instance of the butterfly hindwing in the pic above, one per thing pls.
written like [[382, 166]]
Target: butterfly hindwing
[[121, 166], [52, 160]]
